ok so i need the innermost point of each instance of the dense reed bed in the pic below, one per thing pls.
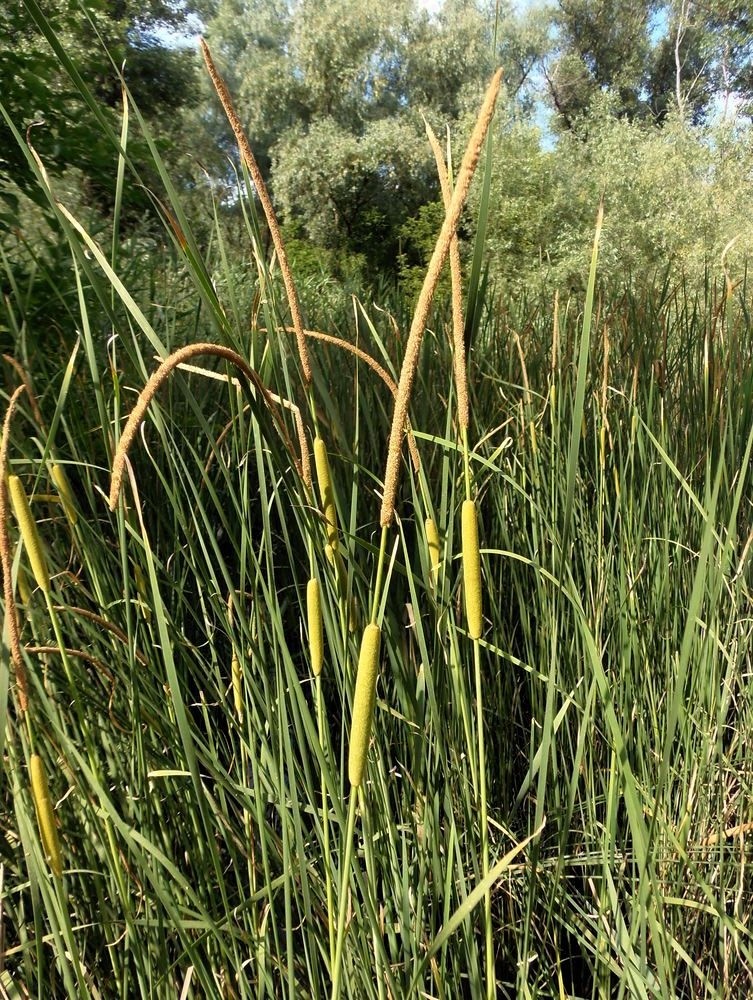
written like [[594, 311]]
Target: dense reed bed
[[545, 795]]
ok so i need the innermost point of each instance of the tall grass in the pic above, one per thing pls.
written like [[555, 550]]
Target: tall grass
[[197, 763]]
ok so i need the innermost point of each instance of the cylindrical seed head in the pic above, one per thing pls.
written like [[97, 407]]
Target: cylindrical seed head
[[363, 702], [316, 628], [325, 490], [48, 831], [471, 570], [432, 541], [28, 529], [65, 493]]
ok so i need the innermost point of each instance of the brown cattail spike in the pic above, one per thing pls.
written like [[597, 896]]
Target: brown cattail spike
[[472, 570], [48, 831], [28, 528], [420, 317], [266, 203], [363, 702], [458, 327]]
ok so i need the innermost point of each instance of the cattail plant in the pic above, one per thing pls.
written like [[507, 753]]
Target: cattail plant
[[60, 479], [434, 546], [11, 613], [326, 494], [470, 546], [471, 569], [363, 702], [316, 628], [360, 733], [48, 831], [421, 314], [28, 528]]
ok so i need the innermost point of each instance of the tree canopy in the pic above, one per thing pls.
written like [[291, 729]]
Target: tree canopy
[[651, 55], [99, 37], [333, 94]]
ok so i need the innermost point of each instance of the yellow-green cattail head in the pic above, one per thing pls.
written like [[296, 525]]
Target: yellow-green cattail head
[[63, 487], [48, 831], [471, 570], [28, 529], [432, 541], [363, 702], [316, 628], [325, 490]]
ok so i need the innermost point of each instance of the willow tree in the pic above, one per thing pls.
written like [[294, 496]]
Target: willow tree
[[332, 92]]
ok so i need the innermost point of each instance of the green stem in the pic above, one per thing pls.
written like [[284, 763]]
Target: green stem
[[380, 575], [325, 825], [490, 977], [368, 850], [347, 857]]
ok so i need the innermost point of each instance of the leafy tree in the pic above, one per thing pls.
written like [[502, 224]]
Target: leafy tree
[[652, 55], [98, 37], [332, 91], [675, 198], [601, 44], [713, 44]]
